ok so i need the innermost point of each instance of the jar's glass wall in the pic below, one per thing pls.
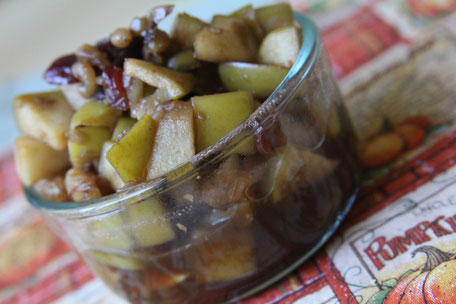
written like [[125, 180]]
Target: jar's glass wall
[[240, 220]]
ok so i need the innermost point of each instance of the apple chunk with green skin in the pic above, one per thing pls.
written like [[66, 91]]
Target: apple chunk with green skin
[[130, 155], [294, 167], [95, 114], [260, 79], [289, 39], [36, 160], [106, 170], [86, 143], [148, 223], [218, 114], [122, 124], [44, 116], [174, 141]]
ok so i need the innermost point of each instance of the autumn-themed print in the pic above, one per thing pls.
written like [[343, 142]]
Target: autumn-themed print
[[392, 141], [433, 282], [431, 8]]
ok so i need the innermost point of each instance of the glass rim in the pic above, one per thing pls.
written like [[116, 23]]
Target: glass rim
[[281, 95]]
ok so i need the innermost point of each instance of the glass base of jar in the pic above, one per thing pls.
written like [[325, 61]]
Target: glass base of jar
[[280, 275]]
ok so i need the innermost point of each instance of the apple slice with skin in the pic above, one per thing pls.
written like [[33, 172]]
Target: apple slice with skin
[[260, 79], [130, 155], [148, 223], [106, 170], [86, 143], [218, 114], [122, 124], [289, 38], [44, 116], [177, 84], [174, 141], [36, 160]]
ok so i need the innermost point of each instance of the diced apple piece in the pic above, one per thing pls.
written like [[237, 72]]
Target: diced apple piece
[[259, 79], [106, 170], [44, 116], [122, 124], [85, 144], [177, 84], [226, 255], [149, 224], [183, 61], [175, 140], [229, 183], [115, 260], [81, 185], [289, 39], [95, 114], [73, 95], [36, 160], [249, 15], [185, 28], [275, 16], [52, 189], [130, 155], [218, 114], [334, 124], [109, 231], [294, 167], [226, 39]]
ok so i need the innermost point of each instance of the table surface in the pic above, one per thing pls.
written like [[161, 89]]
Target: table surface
[[395, 62]]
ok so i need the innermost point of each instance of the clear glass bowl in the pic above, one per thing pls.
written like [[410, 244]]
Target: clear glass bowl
[[224, 225]]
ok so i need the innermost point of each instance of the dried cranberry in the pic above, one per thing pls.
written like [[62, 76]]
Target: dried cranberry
[[116, 94], [117, 55], [60, 71]]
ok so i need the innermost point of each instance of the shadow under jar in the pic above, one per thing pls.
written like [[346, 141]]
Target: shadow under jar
[[226, 224]]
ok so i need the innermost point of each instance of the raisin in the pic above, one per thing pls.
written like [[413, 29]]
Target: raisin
[[60, 71], [116, 94], [268, 139], [117, 55]]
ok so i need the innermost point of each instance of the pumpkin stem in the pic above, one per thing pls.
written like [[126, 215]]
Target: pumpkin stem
[[435, 257]]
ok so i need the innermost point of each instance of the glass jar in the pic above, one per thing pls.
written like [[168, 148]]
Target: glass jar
[[239, 215]]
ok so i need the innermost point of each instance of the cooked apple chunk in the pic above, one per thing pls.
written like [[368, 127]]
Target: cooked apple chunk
[[275, 16], [289, 39], [174, 141], [218, 114], [259, 79], [149, 224], [227, 255], [294, 167], [227, 38], [36, 160], [122, 124], [106, 170], [44, 116], [185, 28], [177, 84], [95, 114], [85, 144], [130, 155]]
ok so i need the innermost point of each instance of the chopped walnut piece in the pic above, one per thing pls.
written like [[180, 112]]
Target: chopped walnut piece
[[52, 189], [81, 186]]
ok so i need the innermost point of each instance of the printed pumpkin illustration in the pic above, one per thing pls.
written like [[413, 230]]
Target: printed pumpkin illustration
[[392, 141], [433, 283], [431, 8]]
